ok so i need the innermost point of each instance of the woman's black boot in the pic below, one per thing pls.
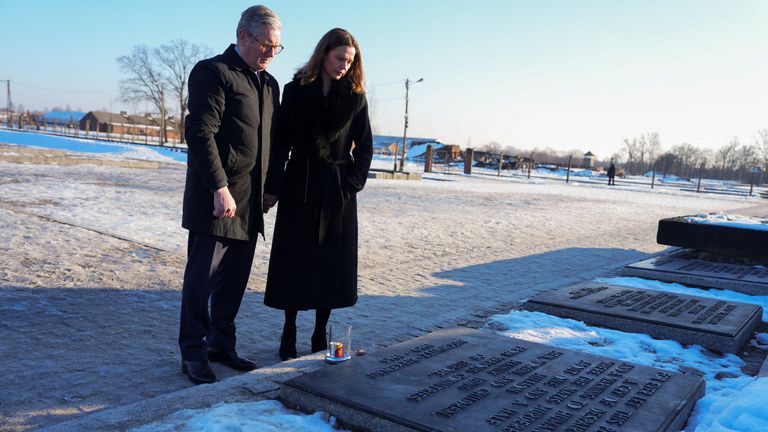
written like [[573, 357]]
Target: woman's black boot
[[319, 338], [288, 339]]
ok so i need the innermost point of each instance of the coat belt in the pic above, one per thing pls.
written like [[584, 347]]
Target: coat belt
[[332, 200]]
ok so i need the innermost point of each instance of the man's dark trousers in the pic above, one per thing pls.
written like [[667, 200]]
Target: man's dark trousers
[[217, 269]]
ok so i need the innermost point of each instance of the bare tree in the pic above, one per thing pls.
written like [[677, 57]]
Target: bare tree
[[666, 163], [631, 150], [177, 59], [652, 147], [491, 147], [373, 104], [145, 81], [545, 156], [641, 152], [725, 156], [747, 157], [761, 142], [512, 150], [688, 158]]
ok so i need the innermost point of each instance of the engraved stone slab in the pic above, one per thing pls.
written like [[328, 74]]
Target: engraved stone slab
[[752, 280], [722, 239], [718, 325], [462, 379]]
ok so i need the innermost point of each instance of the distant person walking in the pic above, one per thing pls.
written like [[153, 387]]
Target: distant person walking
[[324, 126], [232, 112], [612, 175]]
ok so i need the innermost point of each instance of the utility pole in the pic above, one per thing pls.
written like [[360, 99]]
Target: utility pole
[[8, 107], [405, 127], [163, 139]]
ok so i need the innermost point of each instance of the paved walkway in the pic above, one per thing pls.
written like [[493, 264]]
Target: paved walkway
[[88, 317]]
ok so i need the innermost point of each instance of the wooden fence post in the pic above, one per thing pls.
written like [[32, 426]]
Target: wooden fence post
[[701, 169], [468, 161], [428, 159], [530, 165]]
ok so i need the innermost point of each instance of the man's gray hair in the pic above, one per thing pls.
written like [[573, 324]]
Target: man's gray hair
[[255, 16]]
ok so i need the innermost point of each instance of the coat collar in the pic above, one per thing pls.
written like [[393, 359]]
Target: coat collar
[[234, 60], [325, 119], [340, 89]]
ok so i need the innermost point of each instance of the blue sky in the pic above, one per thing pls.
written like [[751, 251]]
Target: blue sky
[[561, 74]]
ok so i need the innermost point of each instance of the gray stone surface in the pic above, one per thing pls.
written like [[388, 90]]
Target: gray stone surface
[[716, 238], [672, 267], [460, 379], [716, 325]]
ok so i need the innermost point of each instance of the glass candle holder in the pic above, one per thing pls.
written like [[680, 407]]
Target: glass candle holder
[[339, 344]]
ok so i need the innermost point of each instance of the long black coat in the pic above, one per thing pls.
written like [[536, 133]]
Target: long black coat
[[229, 132], [314, 250]]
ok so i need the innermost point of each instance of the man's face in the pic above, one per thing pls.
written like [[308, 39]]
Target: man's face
[[258, 49]]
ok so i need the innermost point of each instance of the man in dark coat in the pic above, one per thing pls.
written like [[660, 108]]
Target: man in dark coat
[[611, 174], [229, 129]]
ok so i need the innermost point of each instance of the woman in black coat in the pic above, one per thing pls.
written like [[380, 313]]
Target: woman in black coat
[[324, 128]]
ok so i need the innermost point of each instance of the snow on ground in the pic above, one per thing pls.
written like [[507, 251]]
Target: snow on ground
[[109, 150], [452, 243], [734, 221], [83, 200], [582, 178], [732, 399], [262, 416], [154, 218]]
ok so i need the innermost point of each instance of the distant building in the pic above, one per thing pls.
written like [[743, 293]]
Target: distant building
[[63, 118], [508, 162], [589, 160], [387, 145], [451, 152], [128, 125]]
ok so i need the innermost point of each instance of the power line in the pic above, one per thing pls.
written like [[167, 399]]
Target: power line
[[387, 83], [59, 90], [399, 98]]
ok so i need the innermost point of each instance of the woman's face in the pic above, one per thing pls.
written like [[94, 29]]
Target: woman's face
[[338, 61]]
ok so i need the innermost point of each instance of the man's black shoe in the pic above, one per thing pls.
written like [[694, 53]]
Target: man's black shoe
[[199, 372], [230, 359]]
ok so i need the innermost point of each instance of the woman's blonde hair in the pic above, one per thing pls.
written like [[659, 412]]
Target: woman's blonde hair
[[334, 38]]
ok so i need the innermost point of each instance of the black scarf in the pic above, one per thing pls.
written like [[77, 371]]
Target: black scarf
[[326, 117]]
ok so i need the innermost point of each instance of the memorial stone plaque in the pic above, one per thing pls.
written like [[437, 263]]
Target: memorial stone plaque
[[722, 239], [462, 379], [717, 325], [752, 280]]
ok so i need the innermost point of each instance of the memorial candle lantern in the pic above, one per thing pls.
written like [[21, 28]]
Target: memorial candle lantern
[[339, 344]]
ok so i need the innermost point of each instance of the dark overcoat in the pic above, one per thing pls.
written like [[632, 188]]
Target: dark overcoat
[[313, 263], [229, 132]]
